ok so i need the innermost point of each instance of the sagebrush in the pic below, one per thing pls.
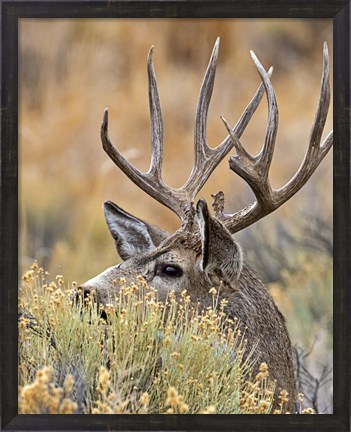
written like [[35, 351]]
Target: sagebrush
[[135, 355]]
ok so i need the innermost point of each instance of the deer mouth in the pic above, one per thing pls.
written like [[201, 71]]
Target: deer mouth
[[82, 296]]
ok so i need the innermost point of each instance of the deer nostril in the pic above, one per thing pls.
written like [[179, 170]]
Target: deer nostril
[[87, 292], [83, 293]]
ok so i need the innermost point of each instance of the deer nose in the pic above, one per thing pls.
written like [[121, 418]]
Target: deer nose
[[85, 292]]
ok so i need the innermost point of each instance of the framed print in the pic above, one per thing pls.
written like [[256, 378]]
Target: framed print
[[175, 215]]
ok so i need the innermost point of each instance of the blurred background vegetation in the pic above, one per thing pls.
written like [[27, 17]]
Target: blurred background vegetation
[[70, 70]]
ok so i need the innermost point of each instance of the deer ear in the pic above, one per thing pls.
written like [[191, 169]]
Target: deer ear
[[221, 256], [132, 235]]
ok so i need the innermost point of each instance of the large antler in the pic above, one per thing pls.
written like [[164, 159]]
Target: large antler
[[254, 170], [206, 158]]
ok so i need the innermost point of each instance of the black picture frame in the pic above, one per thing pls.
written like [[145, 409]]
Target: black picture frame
[[11, 11]]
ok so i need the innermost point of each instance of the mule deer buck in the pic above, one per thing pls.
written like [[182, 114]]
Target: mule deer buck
[[203, 254]]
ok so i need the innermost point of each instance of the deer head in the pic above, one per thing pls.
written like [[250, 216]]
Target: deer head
[[203, 253]]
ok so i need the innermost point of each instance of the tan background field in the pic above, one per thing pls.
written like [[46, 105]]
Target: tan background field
[[70, 70]]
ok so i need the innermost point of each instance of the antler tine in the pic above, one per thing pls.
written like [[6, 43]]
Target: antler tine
[[254, 170], [249, 111], [324, 101], [200, 140], [266, 154], [199, 176], [156, 121], [133, 173], [167, 196], [316, 151]]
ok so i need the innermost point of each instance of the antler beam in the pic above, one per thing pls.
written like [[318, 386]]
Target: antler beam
[[206, 158], [253, 169]]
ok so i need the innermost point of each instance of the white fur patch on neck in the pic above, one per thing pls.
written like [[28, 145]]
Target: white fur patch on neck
[[202, 229]]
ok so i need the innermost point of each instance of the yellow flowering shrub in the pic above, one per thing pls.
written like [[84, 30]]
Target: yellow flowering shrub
[[143, 357]]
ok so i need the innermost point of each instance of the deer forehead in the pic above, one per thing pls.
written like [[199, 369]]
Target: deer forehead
[[104, 280], [182, 256]]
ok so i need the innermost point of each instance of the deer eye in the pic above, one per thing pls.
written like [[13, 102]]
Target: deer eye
[[170, 270]]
